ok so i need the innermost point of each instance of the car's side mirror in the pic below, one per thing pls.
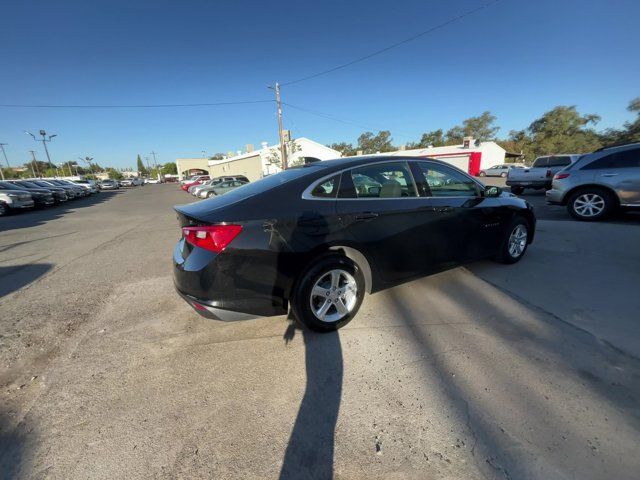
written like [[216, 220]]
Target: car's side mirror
[[492, 192]]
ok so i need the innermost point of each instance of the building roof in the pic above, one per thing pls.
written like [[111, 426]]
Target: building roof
[[445, 150]]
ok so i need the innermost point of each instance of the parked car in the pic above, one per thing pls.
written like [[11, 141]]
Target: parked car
[[109, 185], [220, 188], [540, 174], [127, 182], [200, 179], [79, 191], [90, 184], [11, 200], [306, 237], [193, 178], [41, 197], [499, 170], [72, 192], [599, 183], [137, 181], [59, 193]]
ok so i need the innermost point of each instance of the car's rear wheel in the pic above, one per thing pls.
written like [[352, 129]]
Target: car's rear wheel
[[211, 194], [517, 190], [482, 174], [590, 204], [514, 243], [3, 209], [503, 175], [329, 294]]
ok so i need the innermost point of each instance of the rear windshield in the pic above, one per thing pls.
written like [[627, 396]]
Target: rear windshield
[[264, 184]]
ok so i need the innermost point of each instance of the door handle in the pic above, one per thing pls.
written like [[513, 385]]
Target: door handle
[[366, 216], [444, 209], [610, 174]]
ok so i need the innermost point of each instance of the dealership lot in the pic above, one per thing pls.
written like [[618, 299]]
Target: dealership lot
[[486, 371]]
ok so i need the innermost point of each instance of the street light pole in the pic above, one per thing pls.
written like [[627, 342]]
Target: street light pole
[[44, 141], [283, 150], [35, 162], [155, 164], [5, 159]]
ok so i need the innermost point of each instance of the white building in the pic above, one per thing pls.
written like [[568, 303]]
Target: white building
[[472, 156], [255, 164]]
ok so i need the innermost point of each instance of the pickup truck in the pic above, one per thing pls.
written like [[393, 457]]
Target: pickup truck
[[540, 174]]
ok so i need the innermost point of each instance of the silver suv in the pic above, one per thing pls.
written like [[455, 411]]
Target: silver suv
[[599, 183]]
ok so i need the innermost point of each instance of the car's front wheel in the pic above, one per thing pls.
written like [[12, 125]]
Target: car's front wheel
[[482, 174], [503, 175], [329, 294], [590, 204], [515, 241], [3, 209], [211, 194]]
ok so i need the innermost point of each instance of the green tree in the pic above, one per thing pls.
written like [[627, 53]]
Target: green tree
[[560, 130], [429, 139], [141, 168], [480, 128], [169, 169], [217, 156], [115, 174], [346, 149], [370, 143], [630, 132]]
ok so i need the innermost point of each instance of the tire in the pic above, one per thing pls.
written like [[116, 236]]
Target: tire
[[503, 175], [590, 204], [211, 194], [3, 209], [514, 243], [337, 278], [517, 190], [482, 174]]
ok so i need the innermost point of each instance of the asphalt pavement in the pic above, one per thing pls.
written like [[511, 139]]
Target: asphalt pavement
[[484, 371]]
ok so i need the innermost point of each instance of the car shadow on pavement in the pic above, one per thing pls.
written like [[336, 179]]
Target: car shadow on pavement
[[547, 342], [309, 453], [11, 450], [15, 277], [40, 216]]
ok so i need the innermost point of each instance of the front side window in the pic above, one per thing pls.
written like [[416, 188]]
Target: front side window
[[383, 180], [327, 189], [445, 182]]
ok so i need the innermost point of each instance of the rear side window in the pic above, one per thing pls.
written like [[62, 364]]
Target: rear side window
[[541, 162], [383, 180], [445, 182], [559, 161], [327, 189], [626, 159]]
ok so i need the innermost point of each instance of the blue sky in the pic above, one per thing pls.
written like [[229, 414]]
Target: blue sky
[[515, 58]]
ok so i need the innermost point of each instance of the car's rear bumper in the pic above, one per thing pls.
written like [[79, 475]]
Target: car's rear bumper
[[205, 309], [528, 183], [555, 197]]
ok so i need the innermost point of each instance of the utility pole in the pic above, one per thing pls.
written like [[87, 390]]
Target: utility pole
[[283, 149], [5, 159], [155, 164], [35, 162], [44, 141]]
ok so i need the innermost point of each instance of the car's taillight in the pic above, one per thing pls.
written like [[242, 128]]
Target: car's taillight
[[560, 176], [214, 238]]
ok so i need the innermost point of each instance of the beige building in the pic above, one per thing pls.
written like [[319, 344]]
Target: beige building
[[189, 166], [255, 164]]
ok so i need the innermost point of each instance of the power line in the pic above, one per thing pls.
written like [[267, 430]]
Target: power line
[[341, 120], [165, 105], [386, 49]]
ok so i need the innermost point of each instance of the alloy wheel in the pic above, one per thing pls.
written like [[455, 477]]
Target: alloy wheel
[[589, 205], [334, 296], [518, 241]]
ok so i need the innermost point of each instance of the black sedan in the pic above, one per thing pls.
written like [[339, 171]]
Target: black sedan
[[41, 196], [319, 236]]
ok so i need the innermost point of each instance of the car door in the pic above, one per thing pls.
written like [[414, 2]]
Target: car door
[[463, 224], [379, 207], [621, 172]]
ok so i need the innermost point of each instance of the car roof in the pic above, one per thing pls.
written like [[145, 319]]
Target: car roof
[[347, 162]]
